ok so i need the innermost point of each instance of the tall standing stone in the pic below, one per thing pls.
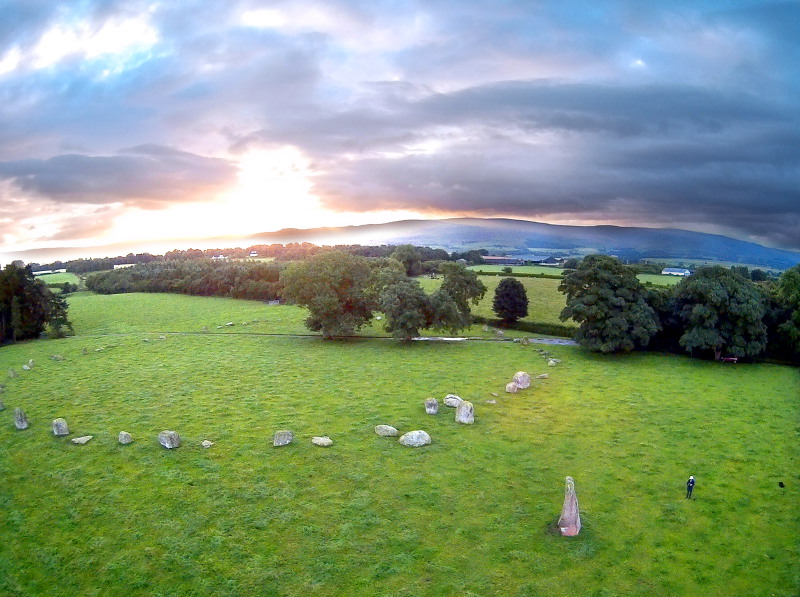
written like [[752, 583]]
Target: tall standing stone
[[431, 406], [465, 413], [20, 419], [60, 427], [570, 521], [169, 439], [522, 379]]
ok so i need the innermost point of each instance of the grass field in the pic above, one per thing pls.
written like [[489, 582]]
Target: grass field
[[519, 269], [471, 514], [59, 278]]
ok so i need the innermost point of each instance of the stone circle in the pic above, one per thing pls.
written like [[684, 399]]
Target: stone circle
[[60, 427], [282, 438], [386, 431], [522, 379], [415, 439], [465, 413], [169, 439]]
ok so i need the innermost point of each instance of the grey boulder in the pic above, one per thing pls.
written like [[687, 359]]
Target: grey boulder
[[169, 439], [415, 439]]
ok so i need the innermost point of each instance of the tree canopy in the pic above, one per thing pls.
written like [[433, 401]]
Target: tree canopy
[[27, 306], [721, 311], [464, 287], [609, 303], [337, 288], [510, 300]]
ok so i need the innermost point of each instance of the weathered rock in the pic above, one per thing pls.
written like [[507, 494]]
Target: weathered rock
[[452, 400], [30, 363], [512, 387], [569, 523], [386, 431], [542, 376], [20, 419], [169, 439], [206, 443], [282, 438], [60, 427], [13, 374], [465, 413], [552, 363], [491, 402], [493, 394], [500, 333], [431, 406], [230, 323], [56, 357], [322, 442], [525, 341], [26, 368], [82, 440], [125, 438], [415, 439], [522, 379], [485, 328]]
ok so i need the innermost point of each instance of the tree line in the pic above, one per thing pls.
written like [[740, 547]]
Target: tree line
[[28, 308], [716, 312]]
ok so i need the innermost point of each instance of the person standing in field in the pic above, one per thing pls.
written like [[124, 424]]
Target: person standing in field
[[689, 487]]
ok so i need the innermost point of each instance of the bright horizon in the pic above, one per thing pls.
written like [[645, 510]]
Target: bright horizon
[[158, 123]]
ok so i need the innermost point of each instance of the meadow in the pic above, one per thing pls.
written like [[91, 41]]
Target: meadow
[[471, 514]]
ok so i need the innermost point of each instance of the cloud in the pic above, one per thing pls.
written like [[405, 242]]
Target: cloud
[[147, 176]]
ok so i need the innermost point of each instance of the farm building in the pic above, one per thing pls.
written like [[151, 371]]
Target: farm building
[[675, 271]]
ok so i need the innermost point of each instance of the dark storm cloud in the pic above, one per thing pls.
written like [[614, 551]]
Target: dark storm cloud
[[674, 114], [149, 176]]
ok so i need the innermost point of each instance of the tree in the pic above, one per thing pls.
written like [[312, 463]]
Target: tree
[[410, 257], [788, 298], [406, 308], [721, 312], [608, 301], [510, 300], [464, 287], [337, 288], [27, 305]]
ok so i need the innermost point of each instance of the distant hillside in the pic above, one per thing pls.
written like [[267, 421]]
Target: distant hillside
[[522, 237]]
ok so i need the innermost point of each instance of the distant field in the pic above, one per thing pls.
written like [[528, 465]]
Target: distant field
[[659, 280], [59, 278], [471, 514], [519, 269]]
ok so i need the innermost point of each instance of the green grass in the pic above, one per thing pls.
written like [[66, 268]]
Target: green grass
[[659, 279], [469, 515], [519, 269], [59, 278]]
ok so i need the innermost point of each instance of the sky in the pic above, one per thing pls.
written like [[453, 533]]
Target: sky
[[166, 121]]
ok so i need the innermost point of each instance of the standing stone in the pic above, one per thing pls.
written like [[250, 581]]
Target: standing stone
[[82, 440], [552, 363], [322, 442], [512, 387], [20, 419], [525, 342], [125, 438], [465, 413], [60, 427], [12, 374], [431, 406], [386, 431], [415, 439], [522, 379], [570, 521], [207, 443], [452, 400], [282, 438], [30, 363], [169, 439], [543, 376]]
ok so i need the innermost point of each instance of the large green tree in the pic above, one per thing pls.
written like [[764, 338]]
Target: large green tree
[[337, 288], [464, 287], [510, 300], [721, 312], [608, 301], [788, 296], [27, 306]]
